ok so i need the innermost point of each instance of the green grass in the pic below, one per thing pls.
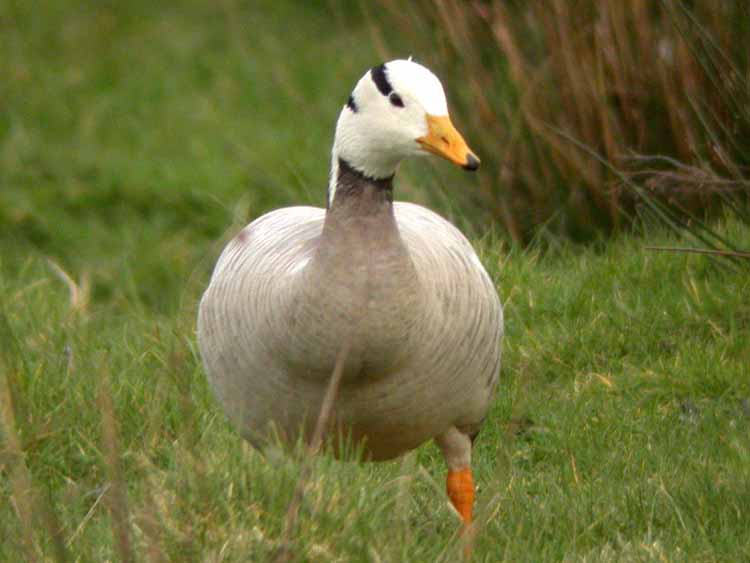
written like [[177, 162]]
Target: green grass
[[620, 429], [133, 140]]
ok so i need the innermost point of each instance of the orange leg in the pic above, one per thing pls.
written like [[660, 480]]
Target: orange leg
[[460, 485], [456, 448]]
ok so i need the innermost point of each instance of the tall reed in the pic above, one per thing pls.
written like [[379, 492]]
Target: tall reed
[[583, 110]]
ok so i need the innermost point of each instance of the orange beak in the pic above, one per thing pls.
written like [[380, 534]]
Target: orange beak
[[443, 140]]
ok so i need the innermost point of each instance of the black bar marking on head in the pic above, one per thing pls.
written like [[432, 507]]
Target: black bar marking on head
[[351, 104], [381, 80]]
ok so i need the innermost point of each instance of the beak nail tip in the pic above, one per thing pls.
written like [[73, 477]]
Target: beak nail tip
[[472, 162]]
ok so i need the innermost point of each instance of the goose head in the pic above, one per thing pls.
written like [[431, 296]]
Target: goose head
[[397, 110]]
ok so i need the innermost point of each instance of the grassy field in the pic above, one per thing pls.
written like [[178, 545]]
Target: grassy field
[[134, 142]]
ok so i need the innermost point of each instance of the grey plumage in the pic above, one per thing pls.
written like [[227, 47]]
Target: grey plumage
[[402, 284]]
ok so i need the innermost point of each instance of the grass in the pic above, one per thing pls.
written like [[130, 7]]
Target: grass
[[173, 120], [620, 430], [132, 141]]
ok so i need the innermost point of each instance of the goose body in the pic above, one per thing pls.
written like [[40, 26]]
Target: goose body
[[395, 281]]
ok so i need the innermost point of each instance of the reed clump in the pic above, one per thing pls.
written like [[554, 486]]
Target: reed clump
[[583, 110]]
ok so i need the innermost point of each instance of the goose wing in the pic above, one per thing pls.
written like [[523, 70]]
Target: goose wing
[[246, 292], [460, 342]]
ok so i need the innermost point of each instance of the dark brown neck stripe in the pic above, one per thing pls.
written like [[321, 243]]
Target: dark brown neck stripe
[[351, 182]]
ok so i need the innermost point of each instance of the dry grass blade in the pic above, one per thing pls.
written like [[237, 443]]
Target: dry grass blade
[[284, 553], [326, 409], [20, 477], [54, 530], [88, 516], [735, 254], [117, 496], [80, 293], [30, 508], [619, 77]]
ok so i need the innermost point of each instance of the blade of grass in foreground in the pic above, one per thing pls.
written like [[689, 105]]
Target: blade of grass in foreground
[[666, 214], [699, 251], [117, 495]]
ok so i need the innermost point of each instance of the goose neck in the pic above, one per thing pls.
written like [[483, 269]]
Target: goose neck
[[353, 193]]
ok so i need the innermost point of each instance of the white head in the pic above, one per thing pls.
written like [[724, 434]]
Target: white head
[[397, 109]]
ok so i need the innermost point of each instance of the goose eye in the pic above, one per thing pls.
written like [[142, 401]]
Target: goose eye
[[396, 100]]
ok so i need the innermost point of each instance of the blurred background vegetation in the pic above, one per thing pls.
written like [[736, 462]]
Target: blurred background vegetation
[[128, 124], [189, 117], [587, 108]]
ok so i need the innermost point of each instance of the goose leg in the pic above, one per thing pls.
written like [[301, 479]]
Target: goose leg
[[456, 448]]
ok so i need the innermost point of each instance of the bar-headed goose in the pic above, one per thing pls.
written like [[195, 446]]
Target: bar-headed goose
[[397, 283]]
